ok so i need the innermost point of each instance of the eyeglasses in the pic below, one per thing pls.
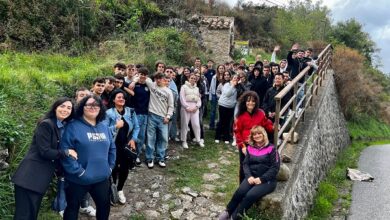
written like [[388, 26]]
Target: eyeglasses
[[94, 106]]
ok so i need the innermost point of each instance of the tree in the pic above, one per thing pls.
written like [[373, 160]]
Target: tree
[[350, 34]]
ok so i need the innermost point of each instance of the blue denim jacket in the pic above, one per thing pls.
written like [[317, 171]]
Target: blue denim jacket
[[112, 116]]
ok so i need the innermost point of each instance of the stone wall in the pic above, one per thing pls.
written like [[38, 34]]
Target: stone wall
[[322, 135], [218, 36]]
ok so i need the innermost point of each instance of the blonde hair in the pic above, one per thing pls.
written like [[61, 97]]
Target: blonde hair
[[255, 130]]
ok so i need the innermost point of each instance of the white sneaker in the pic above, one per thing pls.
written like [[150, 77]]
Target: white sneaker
[[234, 143], [150, 164], [138, 162], [193, 139], [226, 142], [217, 141], [201, 144], [90, 211], [122, 198], [61, 213], [162, 164], [177, 139], [184, 145]]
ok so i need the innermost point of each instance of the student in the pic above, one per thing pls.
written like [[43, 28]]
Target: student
[[215, 81], [261, 165], [120, 69], [35, 172], [140, 104], [108, 88], [190, 104], [124, 128], [98, 86], [226, 104], [96, 153], [160, 112]]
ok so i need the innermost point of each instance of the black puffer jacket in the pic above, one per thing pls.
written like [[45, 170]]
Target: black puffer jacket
[[262, 162]]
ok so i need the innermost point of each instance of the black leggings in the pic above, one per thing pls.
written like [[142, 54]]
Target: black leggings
[[121, 170], [246, 195], [100, 193], [224, 125]]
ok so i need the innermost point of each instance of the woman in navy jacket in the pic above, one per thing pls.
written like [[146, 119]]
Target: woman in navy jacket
[[261, 165], [36, 170]]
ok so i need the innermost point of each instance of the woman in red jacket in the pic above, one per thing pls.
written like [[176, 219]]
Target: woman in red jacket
[[249, 114]]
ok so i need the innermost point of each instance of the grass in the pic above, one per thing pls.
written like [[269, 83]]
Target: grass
[[334, 192], [191, 166]]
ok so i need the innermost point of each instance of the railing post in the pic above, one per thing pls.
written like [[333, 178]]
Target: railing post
[[295, 102], [276, 123]]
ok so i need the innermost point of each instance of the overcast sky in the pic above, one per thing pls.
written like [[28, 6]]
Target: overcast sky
[[373, 15]]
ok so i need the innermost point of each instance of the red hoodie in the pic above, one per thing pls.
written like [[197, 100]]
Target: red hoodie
[[245, 122]]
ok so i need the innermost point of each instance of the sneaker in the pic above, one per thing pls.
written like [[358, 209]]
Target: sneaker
[[224, 215], [122, 198], [201, 144], [202, 141], [177, 139], [217, 141], [234, 143], [226, 142], [90, 211], [61, 213], [193, 139], [162, 164], [150, 164], [184, 145], [137, 162]]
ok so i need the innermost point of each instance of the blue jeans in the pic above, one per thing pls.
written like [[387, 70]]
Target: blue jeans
[[143, 122], [173, 126], [157, 133], [213, 110]]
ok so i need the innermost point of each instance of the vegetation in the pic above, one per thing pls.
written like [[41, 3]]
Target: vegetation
[[36, 67]]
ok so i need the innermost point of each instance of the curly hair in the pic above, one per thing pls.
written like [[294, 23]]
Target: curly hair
[[246, 96]]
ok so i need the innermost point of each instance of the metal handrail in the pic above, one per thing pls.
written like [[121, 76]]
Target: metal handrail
[[295, 115]]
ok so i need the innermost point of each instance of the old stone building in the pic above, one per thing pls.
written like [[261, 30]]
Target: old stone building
[[218, 36]]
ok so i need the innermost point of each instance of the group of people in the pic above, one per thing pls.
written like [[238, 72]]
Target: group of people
[[94, 136]]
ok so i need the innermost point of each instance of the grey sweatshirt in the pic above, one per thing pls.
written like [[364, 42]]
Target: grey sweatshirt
[[228, 97], [161, 100]]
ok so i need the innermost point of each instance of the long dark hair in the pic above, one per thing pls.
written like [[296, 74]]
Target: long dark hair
[[112, 97], [51, 114], [248, 95], [80, 109]]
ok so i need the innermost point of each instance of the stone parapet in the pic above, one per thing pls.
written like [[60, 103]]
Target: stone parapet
[[323, 135]]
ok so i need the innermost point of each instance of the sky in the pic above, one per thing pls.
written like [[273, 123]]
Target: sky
[[373, 15]]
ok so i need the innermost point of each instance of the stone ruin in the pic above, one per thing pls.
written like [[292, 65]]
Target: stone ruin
[[218, 36]]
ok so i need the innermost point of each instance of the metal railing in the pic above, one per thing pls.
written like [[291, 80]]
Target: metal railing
[[293, 111]]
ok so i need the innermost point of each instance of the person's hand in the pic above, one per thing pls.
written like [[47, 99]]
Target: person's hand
[[119, 124], [131, 144], [166, 120], [295, 46], [257, 181], [271, 114], [251, 180], [276, 48], [73, 154], [131, 85], [243, 150]]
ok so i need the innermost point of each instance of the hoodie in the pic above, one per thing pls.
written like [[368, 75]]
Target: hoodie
[[95, 149]]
